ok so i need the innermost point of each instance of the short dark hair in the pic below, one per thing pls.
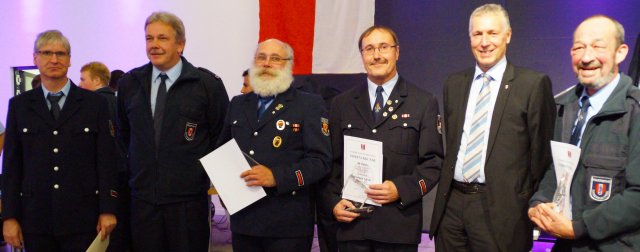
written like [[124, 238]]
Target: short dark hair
[[376, 27], [245, 73], [113, 82]]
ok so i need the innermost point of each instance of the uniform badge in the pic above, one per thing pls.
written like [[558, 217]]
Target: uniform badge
[[279, 107], [325, 126], [396, 101], [114, 194], [190, 131], [296, 127], [377, 108], [300, 179], [394, 116], [280, 124], [600, 188], [277, 141], [384, 114], [113, 130], [390, 109], [389, 102], [405, 115], [439, 125], [423, 186]]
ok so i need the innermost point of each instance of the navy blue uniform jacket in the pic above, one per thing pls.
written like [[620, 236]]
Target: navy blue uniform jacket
[[412, 158], [172, 173], [76, 153], [300, 158]]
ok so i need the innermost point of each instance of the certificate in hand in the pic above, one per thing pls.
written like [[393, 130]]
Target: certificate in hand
[[565, 161], [362, 167]]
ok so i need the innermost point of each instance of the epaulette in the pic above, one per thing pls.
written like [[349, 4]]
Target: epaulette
[[210, 73]]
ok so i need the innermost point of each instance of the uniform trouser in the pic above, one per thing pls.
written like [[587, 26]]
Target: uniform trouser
[[465, 225], [58, 243], [120, 237], [250, 243], [327, 227], [375, 246], [182, 226]]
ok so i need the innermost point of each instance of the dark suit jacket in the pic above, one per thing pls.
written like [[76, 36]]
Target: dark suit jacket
[[412, 154], [298, 159], [82, 168], [518, 151], [108, 93]]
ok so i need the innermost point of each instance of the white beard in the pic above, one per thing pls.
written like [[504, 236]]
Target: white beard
[[279, 81]]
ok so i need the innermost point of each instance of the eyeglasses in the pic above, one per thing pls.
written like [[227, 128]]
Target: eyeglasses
[[383, 49], [273, 59], [48, 54]]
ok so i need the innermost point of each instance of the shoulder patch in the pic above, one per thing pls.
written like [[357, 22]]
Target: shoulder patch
[[209, 73]]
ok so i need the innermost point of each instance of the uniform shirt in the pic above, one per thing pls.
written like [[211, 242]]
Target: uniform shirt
[[496, 73], [596, 102], [172, 75], [386, 90], [64, 90]]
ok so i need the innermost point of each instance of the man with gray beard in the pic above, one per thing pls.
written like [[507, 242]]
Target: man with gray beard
[[286, 134], [599, 115]]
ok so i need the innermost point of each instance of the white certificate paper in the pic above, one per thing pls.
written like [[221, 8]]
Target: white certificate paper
[[565, 161], [224, 166], [362, 167], [99, 246]]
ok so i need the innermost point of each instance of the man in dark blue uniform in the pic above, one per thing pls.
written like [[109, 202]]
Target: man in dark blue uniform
[[95, 76], [286, 132], [170, 114], [59, 178], [406, 119]]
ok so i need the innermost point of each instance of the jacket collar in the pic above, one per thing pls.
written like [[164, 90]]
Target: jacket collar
[[71, 105], [277, 107], [363, 105]]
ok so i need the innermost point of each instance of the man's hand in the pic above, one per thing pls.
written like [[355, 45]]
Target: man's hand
[[534, 215], [106, 223], [13, 233], [344, 215], [555, 223], [259, 175], [383, 193]]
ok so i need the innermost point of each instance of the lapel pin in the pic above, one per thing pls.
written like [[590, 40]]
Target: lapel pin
[[506, 86], [384, 114], [396, 101], [394, 116], [390, 109], [388, 102], [280, 124]]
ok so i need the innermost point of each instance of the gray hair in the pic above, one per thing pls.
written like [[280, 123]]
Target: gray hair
[[171, 20], [619, 29], [287, 48], [51, 37], [490, 9]]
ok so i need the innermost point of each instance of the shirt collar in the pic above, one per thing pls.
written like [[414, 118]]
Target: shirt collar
[[598, 99], [172, 73], [387, 86], [64, 90], [496, 72]]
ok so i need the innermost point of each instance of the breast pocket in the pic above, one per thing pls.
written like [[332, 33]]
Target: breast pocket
[[29, 136], [352, 128], [604, 177], [236, 127], [404, 136]]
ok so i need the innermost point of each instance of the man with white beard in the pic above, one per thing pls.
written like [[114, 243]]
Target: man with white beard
[[286, 134]]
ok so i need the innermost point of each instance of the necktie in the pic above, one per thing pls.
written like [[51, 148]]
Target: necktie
[[473, 155], [582, 118], [379, 104], [263, 104], [158, 114], [55, 107]]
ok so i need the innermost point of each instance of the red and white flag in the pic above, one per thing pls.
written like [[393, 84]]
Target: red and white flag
[[323, 33]]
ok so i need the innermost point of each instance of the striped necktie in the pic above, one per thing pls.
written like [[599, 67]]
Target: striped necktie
[[473, 155]]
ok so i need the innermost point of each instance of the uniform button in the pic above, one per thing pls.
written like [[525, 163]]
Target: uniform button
[[251, 152], [293, 193], [349, 126], [55, 168], [96, 191], [445, 195], [20, 194], [234, 122], [24, 130], [401, 204], [255, 133], [55, 150], [86, 129], [405, 125], [287, 123], [273, 112], [453, 167], [374, 131], [56, 186], [55, 132]]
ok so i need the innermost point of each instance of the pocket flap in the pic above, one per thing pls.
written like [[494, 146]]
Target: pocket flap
[[407, 123], [352, 125], [85, 128]]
